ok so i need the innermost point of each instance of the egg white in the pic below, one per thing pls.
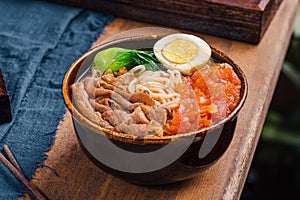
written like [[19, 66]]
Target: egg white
[[199, 60]]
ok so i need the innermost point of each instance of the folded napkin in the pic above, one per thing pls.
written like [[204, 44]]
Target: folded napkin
[[38, 42]]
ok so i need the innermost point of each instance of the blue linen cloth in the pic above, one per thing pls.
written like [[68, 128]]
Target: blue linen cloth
[[38, 42]]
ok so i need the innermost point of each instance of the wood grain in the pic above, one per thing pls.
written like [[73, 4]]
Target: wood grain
[[68, 174], [238, 20]]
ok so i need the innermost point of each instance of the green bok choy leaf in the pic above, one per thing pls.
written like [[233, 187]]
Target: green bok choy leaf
[[115, 58]]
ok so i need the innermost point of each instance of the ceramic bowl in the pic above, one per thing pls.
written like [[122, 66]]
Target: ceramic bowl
[[156, 160]]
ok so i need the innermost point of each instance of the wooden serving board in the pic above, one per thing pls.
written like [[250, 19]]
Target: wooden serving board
[[244, 20]]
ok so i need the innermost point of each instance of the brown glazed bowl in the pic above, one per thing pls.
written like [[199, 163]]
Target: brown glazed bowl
[[155, 160]]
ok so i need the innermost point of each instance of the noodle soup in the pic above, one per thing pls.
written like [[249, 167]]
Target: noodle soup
[[149, 116], [133, 92]]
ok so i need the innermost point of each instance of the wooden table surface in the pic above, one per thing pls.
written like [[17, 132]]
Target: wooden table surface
[[68, 174]]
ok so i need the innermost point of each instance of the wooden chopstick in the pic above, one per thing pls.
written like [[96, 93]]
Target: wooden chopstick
[[13, 166], [11, 158]]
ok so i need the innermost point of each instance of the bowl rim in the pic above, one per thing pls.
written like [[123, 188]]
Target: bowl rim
[[128, 138]]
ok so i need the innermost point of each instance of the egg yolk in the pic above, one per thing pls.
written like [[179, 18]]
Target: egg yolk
[[180, 51]]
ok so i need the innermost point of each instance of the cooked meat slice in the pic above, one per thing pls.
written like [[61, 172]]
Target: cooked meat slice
[[103, 101], [101, 92], [142, 98], [156, 113], [89, 86], [109, 78], [109, 86], [96, 73], [133, 129], [106, 85], [134, 106], [110, 103], [80, 97], [125, 79], [124, 94], [121, 100], [146, 110], [117, 129], [116, 117], [138, 116], [159, 114], [119, 81], [102, 122], [99, 107], [155, 128], [114, 105]]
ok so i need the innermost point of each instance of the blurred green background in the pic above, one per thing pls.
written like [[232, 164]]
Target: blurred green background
[[275, 170]]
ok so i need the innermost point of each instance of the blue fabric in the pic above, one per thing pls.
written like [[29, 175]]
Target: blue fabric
[[38, 42]]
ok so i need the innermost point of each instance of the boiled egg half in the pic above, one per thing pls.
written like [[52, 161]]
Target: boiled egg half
[[182, 52]]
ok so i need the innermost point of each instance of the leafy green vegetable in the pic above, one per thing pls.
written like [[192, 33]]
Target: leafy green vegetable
[[115, 58]]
